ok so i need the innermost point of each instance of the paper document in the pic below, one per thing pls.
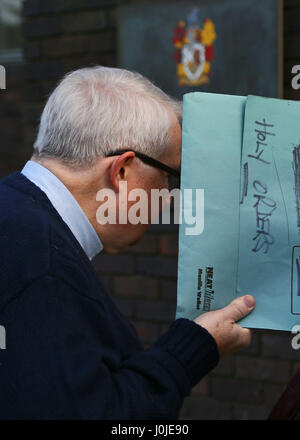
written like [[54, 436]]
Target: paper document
[[244, 152]]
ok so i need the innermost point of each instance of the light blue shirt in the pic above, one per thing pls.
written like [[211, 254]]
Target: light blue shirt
[[66, 205]]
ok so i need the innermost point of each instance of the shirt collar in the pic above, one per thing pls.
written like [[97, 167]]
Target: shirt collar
[[66, 205]]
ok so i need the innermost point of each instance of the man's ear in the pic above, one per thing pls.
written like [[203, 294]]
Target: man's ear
[[118, 168]]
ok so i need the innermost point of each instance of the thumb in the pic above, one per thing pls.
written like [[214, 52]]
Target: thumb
[[239, 307]]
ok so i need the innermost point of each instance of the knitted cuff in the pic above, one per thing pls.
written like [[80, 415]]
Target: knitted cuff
[[193, 346]]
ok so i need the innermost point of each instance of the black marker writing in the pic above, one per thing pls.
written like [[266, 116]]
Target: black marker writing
[[264, 208], [261, 137]]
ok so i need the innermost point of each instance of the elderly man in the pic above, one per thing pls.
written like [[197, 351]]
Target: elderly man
[[70, 353]]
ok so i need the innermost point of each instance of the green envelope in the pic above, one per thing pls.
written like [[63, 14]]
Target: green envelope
[[244, 153]]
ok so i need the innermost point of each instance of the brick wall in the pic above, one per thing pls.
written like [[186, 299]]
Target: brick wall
[[59, 37], [12, 149]]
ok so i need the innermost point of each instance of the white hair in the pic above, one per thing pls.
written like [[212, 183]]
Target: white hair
[[96, 110]]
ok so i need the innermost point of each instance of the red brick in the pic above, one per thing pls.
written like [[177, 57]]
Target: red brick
[[147, 245], [31, 8], [278, 345], [201, 388], [169, 244], [104, 41], [202, 408], [236, 390], [42, 27], [225, 366], [250, 412], [135, 287], [271, 393], [55, 6], [157, 266], [113, 264], [291, 4], [263, 369], [168, 290], [154, 311], [148, 332], [291, 21], [85, 21]]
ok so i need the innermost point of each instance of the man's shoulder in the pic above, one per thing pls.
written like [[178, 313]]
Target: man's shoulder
[[35, 242], [24, 241]]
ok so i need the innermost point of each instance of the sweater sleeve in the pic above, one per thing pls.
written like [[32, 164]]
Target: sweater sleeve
[[61, 362]]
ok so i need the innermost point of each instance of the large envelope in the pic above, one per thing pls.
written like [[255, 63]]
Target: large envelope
[[244, 153]]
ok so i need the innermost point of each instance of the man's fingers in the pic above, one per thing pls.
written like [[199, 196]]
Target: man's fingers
[[239, 307], [245, 335]]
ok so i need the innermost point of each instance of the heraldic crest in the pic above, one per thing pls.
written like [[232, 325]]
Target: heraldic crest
[[194, 49]]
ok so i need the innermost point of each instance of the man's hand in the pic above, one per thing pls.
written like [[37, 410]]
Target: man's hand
[[221, 324]]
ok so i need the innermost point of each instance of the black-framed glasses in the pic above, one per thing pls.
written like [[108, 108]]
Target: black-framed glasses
[[174, 175]]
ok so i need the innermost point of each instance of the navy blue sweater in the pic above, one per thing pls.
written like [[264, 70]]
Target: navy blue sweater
[[70, 353]]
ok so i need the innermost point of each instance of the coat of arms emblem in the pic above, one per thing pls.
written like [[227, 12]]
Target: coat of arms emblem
[[194, 49]]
